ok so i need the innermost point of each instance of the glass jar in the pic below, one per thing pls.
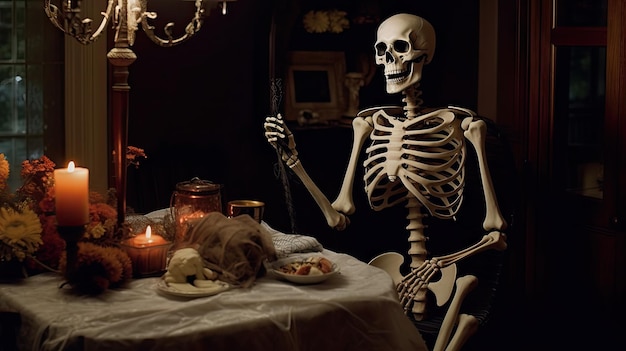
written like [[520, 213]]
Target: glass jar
[[191, 201]]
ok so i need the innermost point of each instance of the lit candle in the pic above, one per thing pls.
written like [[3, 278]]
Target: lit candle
[[147, 252], [147, 239], [72, 195]]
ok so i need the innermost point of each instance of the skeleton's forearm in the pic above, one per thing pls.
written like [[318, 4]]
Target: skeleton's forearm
[[333, 218]]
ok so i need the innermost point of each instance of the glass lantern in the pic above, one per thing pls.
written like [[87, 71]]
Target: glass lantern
[[191, 201]]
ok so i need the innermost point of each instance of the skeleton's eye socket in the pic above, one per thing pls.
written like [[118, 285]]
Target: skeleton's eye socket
[[401, 46], [381, 48]]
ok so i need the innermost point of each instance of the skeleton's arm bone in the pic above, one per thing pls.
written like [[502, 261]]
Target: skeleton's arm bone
[[333, 218], [345, 202], [494, 240], [476, 133]]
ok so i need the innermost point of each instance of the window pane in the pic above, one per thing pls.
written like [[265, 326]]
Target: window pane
[[7, 99], [20, 99], [6, 31], [20, 21], [579, 117], [35, 99], [35, 148], [581, 13], [31, 51]]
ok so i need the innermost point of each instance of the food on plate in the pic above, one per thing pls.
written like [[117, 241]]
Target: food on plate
[[316, 265], [187, 263]]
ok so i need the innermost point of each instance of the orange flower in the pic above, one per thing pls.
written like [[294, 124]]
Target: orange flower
[[98, 268], [133, 154], [53, 245], [38, 178], [4, 171]]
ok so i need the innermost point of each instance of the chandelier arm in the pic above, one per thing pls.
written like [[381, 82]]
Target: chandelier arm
[[70, 22], [53, 13], [105, 20], [192, 27]]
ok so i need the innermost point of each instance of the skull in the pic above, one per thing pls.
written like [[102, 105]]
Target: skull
[[404, 44]]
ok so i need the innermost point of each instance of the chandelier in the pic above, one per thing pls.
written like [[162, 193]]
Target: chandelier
[[126, 16]]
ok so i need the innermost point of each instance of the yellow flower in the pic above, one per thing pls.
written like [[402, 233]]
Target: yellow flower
[[4, 171], [338, 21], [96, 231], [21, 229], [316, 21]]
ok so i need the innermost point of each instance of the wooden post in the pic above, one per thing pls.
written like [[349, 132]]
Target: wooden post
[[120, 57]]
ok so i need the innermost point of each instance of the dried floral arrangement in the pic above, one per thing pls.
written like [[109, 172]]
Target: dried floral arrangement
[[29, 236], [325, 21]]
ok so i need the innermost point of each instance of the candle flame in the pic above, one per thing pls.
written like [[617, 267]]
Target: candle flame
[[70, 166], [148, 232]]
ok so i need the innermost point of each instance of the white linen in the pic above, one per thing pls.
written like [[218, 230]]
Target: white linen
[[357, 309]]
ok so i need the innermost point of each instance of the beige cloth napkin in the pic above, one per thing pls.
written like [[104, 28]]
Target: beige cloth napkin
[[286, 244]]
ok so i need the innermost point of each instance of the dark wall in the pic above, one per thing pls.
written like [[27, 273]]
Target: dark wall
[[198, 110], [452, 76]]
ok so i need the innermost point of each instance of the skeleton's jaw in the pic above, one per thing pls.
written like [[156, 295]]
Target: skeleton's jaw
[[397, 78], [400, 77]]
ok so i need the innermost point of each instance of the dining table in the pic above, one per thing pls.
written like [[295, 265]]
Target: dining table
[[355, 309]]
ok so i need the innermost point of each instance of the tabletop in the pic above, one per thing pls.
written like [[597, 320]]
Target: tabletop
[[356, 309]]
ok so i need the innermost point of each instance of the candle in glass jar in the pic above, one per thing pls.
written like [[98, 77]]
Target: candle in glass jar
[[147, 239], [71, 195], [147, 252]]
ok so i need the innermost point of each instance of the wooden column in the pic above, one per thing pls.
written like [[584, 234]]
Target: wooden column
[[120, 57]]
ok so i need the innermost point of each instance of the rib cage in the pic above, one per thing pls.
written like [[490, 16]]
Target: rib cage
[[423, 156]]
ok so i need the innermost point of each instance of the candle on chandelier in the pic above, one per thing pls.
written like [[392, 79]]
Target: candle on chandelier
[[71, 186], [148, 253]]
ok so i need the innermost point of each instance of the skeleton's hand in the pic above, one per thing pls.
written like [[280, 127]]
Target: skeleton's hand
[[412, 289], [407, 289], [281, 138]]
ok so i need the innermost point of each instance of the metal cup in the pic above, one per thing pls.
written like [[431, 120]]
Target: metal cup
[[253, 208]]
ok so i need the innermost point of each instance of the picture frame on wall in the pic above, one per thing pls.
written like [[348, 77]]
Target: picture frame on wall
[[315, 86]]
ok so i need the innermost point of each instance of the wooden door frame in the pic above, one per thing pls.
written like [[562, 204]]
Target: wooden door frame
[[531, 115]]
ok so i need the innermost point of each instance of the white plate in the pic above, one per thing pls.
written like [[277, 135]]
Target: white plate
[[300, 279], [188, 290]]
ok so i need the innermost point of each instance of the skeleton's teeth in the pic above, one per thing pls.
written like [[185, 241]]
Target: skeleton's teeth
[[397, 75]]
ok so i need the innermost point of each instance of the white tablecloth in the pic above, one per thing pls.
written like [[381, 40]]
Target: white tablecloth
[[357, 309]]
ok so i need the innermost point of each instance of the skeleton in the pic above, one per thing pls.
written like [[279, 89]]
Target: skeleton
[[417, 157]]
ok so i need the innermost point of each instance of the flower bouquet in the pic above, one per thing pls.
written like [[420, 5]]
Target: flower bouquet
[[30, 242]]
